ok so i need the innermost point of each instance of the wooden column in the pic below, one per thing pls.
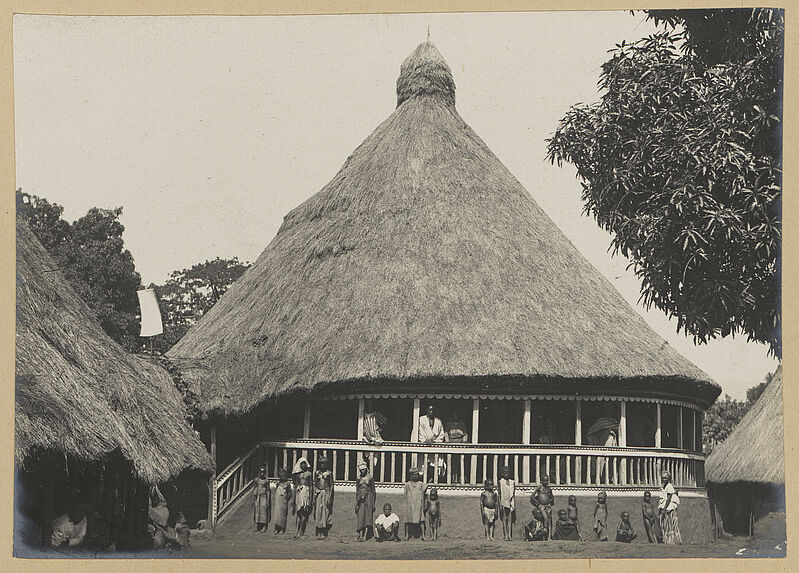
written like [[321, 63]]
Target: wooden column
[[658, 441], [212, 480], [475, 433], [306, 424], [578, 440], [475, 419], [360, 417], [415, 422], [679, 428], [526, 440], [623, 424], [693, 430], [620, 473]]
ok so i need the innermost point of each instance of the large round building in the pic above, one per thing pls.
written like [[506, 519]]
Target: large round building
[[424, 274]]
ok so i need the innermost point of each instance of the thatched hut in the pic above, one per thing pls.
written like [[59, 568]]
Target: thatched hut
[[425, 273], [93, 424], [746, 472]]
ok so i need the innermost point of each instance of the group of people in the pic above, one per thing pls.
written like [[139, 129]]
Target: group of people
[[308, 494]]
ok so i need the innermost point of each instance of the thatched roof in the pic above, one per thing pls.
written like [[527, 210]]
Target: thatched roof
[[424, 262], [754, 451], [80, 393]]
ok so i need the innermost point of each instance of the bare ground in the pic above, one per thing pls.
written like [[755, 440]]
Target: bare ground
[[270, 546]]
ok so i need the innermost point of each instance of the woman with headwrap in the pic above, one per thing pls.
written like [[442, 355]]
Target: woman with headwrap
[[364, 502], [667, 509], [303, 492]]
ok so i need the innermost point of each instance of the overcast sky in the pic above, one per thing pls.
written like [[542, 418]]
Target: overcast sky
[[208, 130]]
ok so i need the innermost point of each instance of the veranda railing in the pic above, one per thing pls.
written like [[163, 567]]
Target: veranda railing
[[464, 465]]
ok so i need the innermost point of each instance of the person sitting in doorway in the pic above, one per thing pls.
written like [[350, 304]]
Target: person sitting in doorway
[[431, 430], [69, 529]]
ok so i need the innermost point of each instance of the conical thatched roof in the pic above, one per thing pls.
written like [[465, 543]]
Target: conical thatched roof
[[424, 262], [78, 392], [754, 451]]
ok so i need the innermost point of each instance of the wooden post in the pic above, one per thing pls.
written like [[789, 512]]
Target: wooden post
[[578, 440], [306, 424], [212, 480], [658, 442], [415, 421], [475, 419], [623, 424], [475, 433], [526, 440], [693, 430], [679, 428], [361, 402]]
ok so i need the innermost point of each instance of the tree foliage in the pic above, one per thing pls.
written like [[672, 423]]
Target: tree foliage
[[190, 293], [681, 161], [723, 416], [91, 255]]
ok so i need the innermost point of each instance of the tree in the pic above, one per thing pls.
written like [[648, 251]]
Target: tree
[[190, 293], [92, 257], [681, 161], [723, 416]]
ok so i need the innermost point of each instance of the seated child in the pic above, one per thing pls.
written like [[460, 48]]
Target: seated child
[[565, 528], [625, 532], [601, 516], [488, 508], [387, 525], [535, 530], [651, 522], [432, 509], [571, 513]]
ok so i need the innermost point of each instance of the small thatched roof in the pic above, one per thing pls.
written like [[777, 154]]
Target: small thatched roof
[[754, 451], [80, 393], [423, 263]]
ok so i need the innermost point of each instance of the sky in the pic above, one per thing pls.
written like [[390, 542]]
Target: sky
[[208, 130]]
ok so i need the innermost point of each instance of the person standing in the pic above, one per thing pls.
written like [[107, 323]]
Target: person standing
[[601, 516], [261, 501], [545, 500], [323, 499], [283, 495], [431, 430], [650, 519], [364, 502], [667, 510], [303, 491], [507, 503], [413, 497]]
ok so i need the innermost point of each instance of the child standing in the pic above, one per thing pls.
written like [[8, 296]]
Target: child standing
[[546, 500], [571, 513], [625, 532], [488, 508], [414, 503], [432, 509], [601, 516], [507, 503], [262, 501], [650, 519]]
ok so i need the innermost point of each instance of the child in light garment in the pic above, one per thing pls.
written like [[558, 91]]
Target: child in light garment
[[387, 525], [507, 503]]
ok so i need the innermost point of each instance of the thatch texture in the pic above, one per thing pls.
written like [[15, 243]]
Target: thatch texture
[[424, 261], [78, 392], [754, 452]]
